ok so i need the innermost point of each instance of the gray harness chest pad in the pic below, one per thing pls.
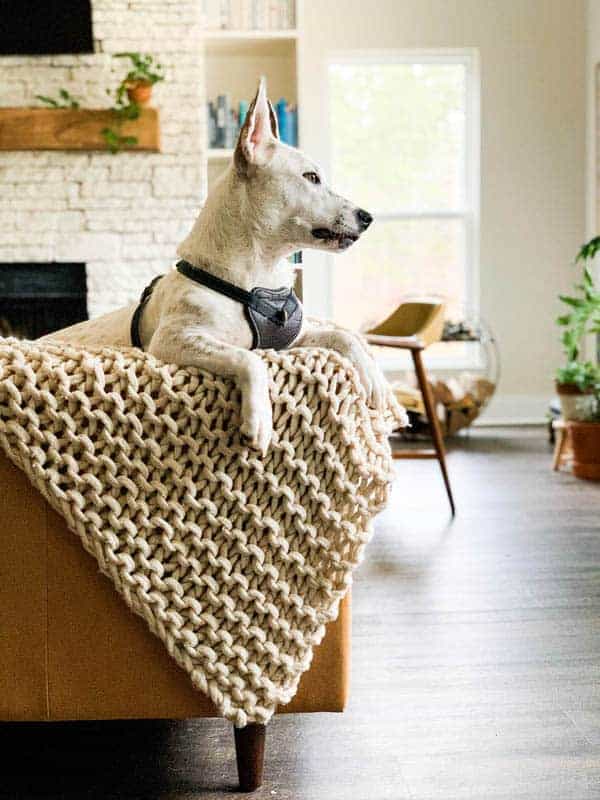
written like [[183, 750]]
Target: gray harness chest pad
[[282, 325], [274, 315]]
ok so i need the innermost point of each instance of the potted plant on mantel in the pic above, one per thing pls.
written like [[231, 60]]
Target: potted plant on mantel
[[141, 78], [131, 94], [578, 382]]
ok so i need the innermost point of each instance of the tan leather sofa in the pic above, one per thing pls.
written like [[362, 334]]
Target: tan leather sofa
[[70, 649]]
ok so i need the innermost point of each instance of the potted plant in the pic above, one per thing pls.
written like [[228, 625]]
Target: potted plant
[[584, 435], [141, 78], [577, 381], [575, 384]]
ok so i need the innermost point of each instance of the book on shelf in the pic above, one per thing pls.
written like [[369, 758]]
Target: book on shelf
[[222, 124], [224, 121], [244, 15]]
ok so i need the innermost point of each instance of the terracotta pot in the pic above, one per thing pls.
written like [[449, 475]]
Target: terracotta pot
[[139, 92], [572, 403], [585, 441]]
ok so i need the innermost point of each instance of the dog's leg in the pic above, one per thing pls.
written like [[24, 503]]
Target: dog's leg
[[198, 349], [352, 346], [314, 323]]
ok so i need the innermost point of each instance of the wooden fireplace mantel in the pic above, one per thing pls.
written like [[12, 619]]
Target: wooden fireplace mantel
[[72, 129]]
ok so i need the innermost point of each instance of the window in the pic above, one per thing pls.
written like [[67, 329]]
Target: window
[[404, 131]]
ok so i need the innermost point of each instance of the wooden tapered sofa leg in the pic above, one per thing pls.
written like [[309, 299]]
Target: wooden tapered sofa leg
[[250, 755]]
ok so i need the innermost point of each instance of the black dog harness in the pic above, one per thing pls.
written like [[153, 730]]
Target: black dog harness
[[274, 315]]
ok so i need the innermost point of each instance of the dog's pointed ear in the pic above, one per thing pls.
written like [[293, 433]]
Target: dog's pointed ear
[[258, 133]]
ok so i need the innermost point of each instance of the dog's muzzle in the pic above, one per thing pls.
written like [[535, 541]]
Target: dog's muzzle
[[344, 240]]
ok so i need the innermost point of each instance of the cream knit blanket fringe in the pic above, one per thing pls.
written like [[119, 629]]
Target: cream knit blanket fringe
[[234, 560]]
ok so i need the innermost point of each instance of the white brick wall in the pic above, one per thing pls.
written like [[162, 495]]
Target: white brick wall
[[124, 215]]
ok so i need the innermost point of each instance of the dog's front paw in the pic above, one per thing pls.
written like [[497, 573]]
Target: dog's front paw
[[257, 426], [372, 379], [257, 414], [379, 388], [375, 386]]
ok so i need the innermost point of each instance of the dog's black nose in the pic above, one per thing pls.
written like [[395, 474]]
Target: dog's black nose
[[364, 219]]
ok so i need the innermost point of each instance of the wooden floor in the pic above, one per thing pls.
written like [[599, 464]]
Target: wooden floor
[[476, 661]]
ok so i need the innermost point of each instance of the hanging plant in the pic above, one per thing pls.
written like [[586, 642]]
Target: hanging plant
[[64, 100], [124, 110]]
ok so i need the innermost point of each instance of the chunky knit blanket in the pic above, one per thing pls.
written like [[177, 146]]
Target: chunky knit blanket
[[236, 561]]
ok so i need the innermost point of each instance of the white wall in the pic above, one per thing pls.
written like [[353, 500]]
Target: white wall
[[533, 100], [592, 60]]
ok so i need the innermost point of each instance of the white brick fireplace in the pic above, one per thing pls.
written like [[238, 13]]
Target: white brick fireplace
[[123, 215]]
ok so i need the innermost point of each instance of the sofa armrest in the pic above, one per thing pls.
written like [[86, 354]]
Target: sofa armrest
[[70, 649], [23, 611]]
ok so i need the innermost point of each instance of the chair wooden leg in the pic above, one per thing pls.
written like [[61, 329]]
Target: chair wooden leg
[[560, 447], [250, 753], [434, 423]]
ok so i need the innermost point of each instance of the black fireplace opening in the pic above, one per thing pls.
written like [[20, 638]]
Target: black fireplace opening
[[36, 299]]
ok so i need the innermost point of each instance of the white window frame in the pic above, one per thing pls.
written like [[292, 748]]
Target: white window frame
[[318, 276]]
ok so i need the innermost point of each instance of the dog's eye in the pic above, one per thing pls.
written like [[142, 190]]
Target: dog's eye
[[312, 177]]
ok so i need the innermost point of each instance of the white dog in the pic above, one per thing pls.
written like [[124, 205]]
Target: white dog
[[270, 202]]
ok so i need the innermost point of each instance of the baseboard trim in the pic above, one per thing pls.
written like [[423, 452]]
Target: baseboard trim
[[515, 409]]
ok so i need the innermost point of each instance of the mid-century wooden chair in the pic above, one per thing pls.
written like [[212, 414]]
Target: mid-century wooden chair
[[413, 326]]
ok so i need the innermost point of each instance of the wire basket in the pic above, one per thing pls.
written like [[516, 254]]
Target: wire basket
[[464, 387]]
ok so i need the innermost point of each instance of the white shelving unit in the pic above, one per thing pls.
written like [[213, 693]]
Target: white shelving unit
[[224, 35], [235, 60]]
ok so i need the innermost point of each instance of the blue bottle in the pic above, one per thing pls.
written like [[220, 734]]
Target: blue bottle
[[242, 111], [283, 120]]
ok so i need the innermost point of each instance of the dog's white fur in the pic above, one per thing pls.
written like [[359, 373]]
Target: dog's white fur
[[261, 209]]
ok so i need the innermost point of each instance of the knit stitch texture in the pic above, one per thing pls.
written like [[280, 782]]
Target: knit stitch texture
[[236, 561]]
